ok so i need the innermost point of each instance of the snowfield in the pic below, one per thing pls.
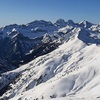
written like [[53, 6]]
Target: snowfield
[[71, 72]]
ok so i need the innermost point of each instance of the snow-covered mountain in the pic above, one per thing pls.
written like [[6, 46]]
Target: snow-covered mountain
[[70, 72], [20, 44], [31, 30], [85, 24]]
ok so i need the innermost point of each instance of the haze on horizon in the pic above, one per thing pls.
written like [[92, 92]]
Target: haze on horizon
[[25, 11]]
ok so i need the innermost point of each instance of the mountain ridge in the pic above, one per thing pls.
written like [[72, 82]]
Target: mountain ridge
[[71, 70]]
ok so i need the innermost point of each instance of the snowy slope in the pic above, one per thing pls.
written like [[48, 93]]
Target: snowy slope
[[70, 72]]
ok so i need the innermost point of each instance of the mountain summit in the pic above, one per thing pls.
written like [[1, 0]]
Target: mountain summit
[[85, 24]]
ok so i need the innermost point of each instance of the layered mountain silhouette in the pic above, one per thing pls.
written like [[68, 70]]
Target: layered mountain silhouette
[[61, 57]]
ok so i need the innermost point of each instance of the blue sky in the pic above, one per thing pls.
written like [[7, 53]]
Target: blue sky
[[25, 11]]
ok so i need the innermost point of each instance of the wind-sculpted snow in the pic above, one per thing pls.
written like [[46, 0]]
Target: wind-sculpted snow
[[71, 72]]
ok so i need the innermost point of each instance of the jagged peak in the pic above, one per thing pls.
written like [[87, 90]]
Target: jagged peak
[[60, 23], [70, 21], [60, 20], [85, 24]]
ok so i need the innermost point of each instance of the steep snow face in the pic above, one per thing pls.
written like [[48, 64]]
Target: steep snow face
[[70, 72]]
